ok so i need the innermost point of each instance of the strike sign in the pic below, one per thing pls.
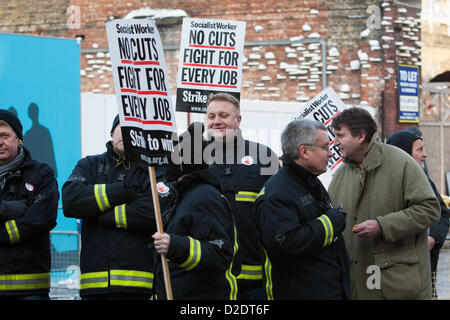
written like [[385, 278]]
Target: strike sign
[[324, 108], [210, 61], [140, 76]]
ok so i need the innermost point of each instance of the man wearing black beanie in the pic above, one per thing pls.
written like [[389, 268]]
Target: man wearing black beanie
[[12, 120], [28, 209], [412, 143], [404, 140]]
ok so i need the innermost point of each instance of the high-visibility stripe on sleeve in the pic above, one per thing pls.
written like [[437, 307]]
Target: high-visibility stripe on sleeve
[[229, 274], [246, 196], [329, 233], [117, 278], [100, 196], [195, 253], [261, 193], [92, 280], [120, 216], [249, 272], [131, 278], [268, 273], [13, 231], [30, 281]]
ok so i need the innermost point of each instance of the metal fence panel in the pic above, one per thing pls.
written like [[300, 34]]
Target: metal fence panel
[[65, 271]]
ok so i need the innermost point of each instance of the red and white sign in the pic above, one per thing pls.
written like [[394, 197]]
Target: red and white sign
[[324, 108], [211, 53], [147, 117]]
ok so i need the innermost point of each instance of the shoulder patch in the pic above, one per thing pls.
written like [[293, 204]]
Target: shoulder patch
[[247, 160], [29, 186], [162, 188]]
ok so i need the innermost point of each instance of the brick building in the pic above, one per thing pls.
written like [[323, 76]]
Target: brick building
[[293, 48]]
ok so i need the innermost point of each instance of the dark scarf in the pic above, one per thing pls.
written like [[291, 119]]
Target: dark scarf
[[11, 167]]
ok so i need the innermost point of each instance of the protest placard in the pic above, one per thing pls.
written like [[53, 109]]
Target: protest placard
[[211, 53], [146, 114], [142, 88], [324, 108]]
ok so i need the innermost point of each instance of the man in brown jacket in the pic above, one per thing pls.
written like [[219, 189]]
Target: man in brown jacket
[[389, 205]]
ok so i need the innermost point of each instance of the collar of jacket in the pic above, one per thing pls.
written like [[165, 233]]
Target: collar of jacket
[[180, 188], [301, 172], [116, 157], [28, 175], [196, 177], [372, 155], [27, 160]]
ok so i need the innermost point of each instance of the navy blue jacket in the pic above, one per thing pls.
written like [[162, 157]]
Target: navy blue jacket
[[242, 169], [438, 231], [117, 223], [302, 236], [25, 259], [203, 247]]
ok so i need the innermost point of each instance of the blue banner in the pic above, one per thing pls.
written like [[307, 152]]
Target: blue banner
[[40, 82]]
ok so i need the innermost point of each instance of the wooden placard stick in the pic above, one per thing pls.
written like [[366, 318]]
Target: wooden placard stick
[[160, 229]]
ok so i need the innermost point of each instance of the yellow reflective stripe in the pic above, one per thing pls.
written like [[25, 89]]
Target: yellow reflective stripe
[[100, 196], [97, 191], [329, 233], [262, 192], [268, 273], [94, 280], [24, 281], [246, 196], [249, 272], [13, 231], [131, 278], [236, 244], [120, 216], [195, 254], [124, 278], [229, 275]]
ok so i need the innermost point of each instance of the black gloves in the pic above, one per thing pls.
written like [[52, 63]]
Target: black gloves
[[11, 210], [337, 218]]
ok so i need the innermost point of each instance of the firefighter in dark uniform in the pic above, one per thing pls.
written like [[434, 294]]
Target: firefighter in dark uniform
[[112, 198], [242, 167], [200, 239], [301, 233], [28, 210]]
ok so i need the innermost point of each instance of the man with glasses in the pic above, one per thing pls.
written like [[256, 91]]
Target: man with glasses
[[300, 231]]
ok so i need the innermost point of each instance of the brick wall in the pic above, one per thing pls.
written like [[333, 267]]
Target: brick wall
[[44, 17], [401, 42], [361, 63]]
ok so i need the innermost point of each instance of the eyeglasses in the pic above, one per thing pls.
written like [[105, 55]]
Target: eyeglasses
[[324, 147]]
